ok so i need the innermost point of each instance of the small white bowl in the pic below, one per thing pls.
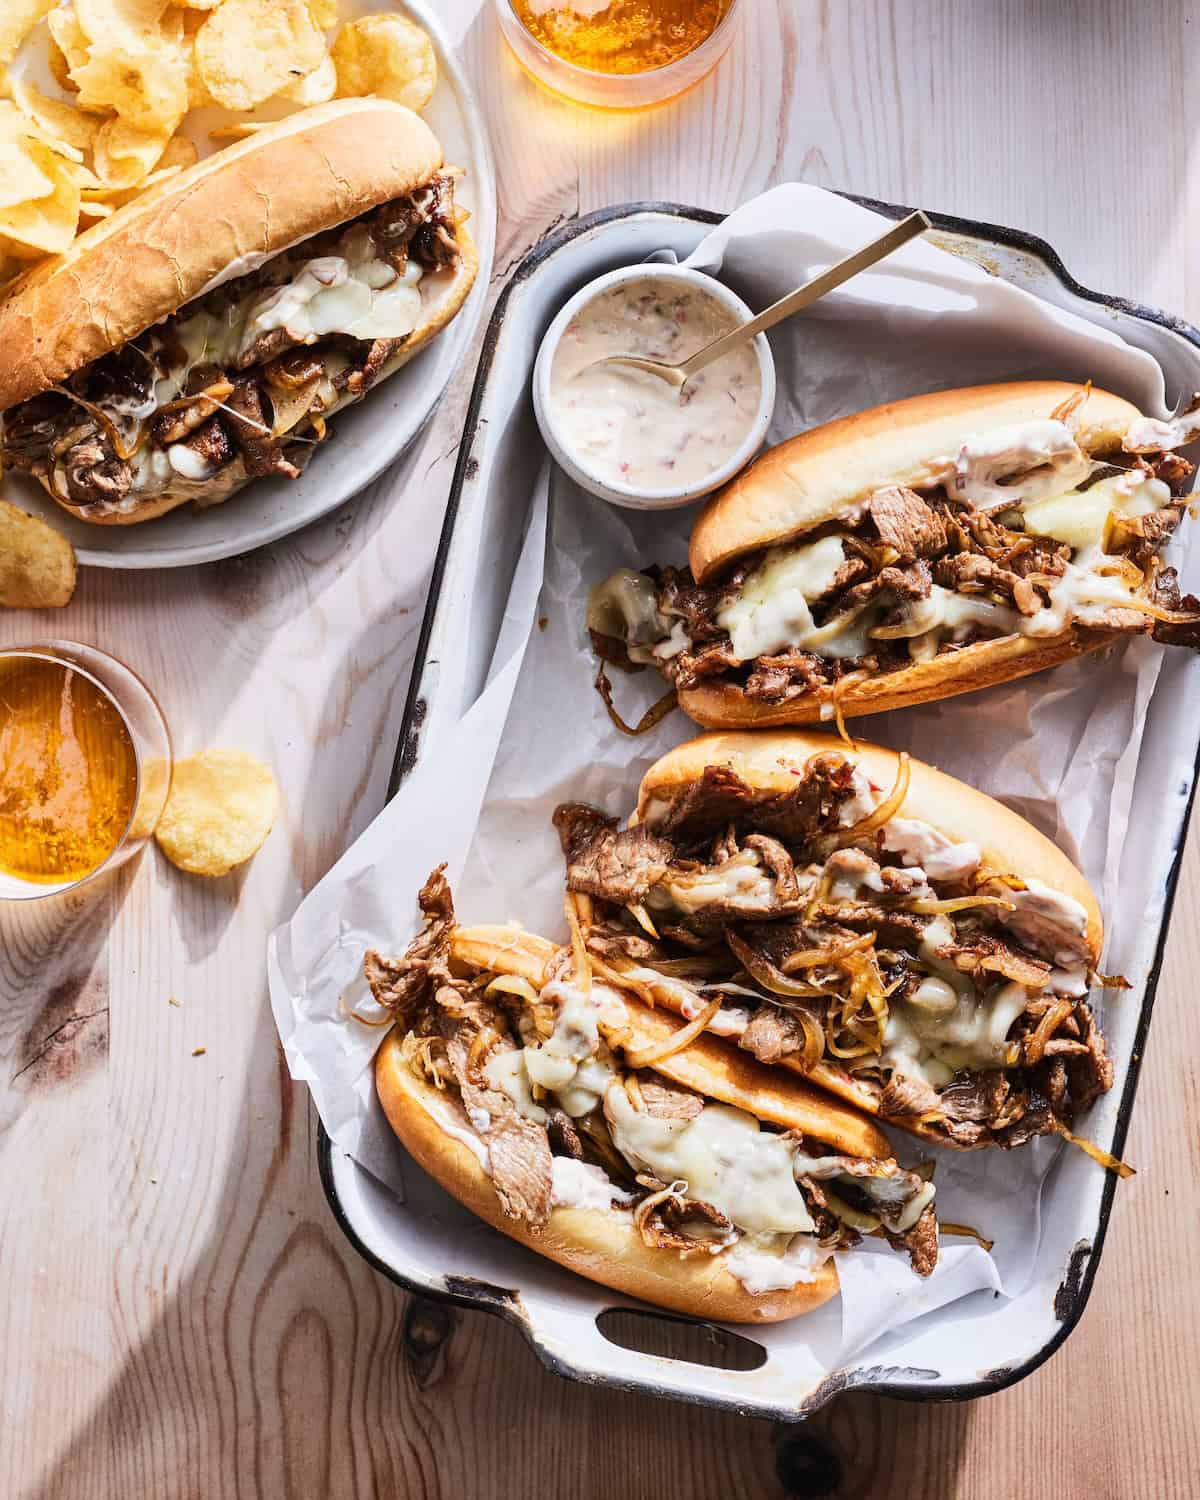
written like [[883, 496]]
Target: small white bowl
[[629, 495]]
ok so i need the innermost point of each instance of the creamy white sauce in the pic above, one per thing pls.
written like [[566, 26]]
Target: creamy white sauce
[[918, 843], [1014, 464], [862, 801], [187, 463], [579, 1184], [946, 1025], [631, 429], [1083, 594], [1150, 435], [722, 1156], [1048, 921], [773, 1263]]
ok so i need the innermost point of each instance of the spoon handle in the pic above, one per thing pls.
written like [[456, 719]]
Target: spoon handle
[[898, 235]]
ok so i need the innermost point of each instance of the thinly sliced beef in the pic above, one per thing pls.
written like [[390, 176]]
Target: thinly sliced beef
[[776, 858], [94, 473], [250, 427], [1166, 593], [400, 984], [969, 573], [905, 522], [705, 807], [564, 1138], [773, 1033], [620, 866], [518, 1149], [667, 1101], [685, 1224], [921, 1242]]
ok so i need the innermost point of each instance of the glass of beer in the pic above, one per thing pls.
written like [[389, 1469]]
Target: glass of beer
[[85, 767], [618, 54]]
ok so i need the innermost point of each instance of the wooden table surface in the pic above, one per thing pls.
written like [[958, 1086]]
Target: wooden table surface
[[180, 1316]]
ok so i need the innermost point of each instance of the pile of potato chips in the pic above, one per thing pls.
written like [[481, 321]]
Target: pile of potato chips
[[129, 72]]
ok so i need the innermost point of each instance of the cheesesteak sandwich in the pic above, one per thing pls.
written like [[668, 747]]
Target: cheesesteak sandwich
[[204, 334], [915, 551], [536, 1085], [860, 919]]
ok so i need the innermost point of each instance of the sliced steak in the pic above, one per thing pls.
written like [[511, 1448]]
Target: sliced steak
[[521, 1163], [773, 1033], [905, 522], [400, 984], [619, 866], [250, 428], [94, 473], [667, 1101], [921, 1242]]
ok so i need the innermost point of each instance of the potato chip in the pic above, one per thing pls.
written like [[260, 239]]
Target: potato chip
[[248, 50], [147, 85], [123, 155], [37, 563], [317, 87], [58, 121], [112, 22], [180, 152], [17, 20], [389, 56], [239, 130], [49, 223], [219, 811], [68, 41], [60, 68], [21, 179], [324, 13]]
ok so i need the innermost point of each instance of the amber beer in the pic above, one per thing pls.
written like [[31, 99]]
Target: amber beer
[[625, 36], [68, 772]]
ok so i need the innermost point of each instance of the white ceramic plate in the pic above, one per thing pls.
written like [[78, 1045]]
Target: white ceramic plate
[[367, 437]]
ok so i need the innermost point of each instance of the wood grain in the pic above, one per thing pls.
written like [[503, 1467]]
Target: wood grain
[[180, 1315]]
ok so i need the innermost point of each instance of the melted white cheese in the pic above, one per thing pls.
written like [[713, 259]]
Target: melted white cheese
[[722, 1156], [771, 609], [366, 299], [572, 1062], [740, 881], [890, 1189]]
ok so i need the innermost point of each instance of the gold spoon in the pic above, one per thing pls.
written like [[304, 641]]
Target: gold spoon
[[679, 375]]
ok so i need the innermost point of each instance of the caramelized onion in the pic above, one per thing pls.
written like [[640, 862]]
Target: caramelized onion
[[809, 958], [767, 974], [1097, 1153], [1033, 1046], [937, 908], [642, 917], [965, 1231], [643, 1057], [583, 972], [653, 715], [886, 810]]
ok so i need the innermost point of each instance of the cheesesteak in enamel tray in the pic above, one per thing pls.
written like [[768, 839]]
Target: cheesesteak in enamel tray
[[504, 725]]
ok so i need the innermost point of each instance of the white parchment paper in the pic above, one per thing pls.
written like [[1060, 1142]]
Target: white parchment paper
[[1062, 748]]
